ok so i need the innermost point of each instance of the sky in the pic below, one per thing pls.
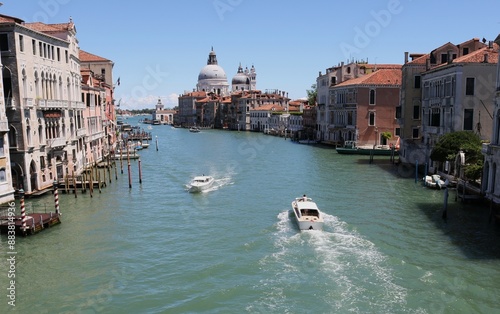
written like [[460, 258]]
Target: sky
[[159, 47]]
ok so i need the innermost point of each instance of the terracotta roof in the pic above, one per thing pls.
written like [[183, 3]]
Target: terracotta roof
[[88, 57], [420, 60], [478, 55], [9, 19], [49, 28], [269, 107], [379, 77]]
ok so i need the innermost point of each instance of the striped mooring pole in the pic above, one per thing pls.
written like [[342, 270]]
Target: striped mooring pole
[[23, 210], [56, 197]]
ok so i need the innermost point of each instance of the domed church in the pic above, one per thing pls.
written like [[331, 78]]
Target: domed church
[[212, 77], [244, 80]]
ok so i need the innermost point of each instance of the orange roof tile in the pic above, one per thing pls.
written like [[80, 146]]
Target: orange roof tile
[[269, 107], [379, 77], [478, 55], [88, 57]]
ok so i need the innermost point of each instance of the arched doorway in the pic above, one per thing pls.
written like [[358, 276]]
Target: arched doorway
[[33, 176]]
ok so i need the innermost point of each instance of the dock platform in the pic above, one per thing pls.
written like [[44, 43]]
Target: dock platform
[[35, 222]]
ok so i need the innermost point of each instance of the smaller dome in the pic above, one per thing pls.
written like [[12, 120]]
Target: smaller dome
[[240, 79]]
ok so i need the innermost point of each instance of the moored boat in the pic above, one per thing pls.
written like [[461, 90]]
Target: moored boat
[[351, 148], [434, 182], [307, 214], [194, 129]]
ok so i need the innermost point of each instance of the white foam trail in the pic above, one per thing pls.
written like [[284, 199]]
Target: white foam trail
[[341, 258]]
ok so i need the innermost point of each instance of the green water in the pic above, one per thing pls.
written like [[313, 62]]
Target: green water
[[155, 248]]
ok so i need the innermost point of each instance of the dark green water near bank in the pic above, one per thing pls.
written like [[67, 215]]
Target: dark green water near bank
[[155, 248]]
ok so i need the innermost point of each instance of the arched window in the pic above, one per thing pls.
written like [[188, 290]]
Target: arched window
[[371, 119], [372, 97]]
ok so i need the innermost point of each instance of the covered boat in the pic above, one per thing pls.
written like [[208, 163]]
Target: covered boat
[[307, 214]]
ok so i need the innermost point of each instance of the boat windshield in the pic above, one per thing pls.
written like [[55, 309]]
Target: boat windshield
[[309, 212]]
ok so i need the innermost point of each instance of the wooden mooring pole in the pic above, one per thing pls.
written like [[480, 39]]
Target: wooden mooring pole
[[56, 197], [140, 170]]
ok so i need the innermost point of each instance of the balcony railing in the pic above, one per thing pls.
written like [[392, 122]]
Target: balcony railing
[[96, 136], [56, 142], [52, 104], [81, 132]]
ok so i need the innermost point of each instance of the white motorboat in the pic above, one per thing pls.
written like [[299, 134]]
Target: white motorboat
[[201, 183], [434, 182], [307, 214], [194, 129]]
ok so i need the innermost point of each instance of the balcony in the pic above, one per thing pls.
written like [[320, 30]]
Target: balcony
[[77, 105], [28, 102], [56, 142], [81, 132], [96, 136], [52, 104]]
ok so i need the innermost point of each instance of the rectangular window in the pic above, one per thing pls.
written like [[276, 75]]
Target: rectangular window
[[417, 81], [469, 86], [465, 51], [40, 48], [33, 46], [397, 132], [21, 43], [435, 117], [416, 112], [398, 112], [2, 152], [444, 57], [468, 119], [58, 54], [4, 42], [415, 133], [66, 56]]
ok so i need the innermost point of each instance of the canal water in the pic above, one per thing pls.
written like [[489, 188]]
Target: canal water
[[156, 248]]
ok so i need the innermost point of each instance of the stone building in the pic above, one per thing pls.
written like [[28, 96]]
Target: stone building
[[42, 83], [491, 151], [410, 111], [458, 96], [364, 108]]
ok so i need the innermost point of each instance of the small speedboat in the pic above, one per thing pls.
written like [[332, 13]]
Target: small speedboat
[[201, 183], [194, 129], [307, 214]]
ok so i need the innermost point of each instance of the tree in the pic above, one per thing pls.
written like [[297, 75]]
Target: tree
[[386, 136], [312, 94], [449, 145]]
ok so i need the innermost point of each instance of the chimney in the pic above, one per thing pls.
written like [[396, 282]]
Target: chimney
[[449, 57], [485, 58], [490, 44], [427, 64], [406, 57]]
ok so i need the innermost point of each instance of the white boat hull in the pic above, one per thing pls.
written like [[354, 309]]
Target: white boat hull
[[307, 215], [200, 184]]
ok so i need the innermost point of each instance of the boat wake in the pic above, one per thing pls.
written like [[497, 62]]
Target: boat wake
[[218, 183], [348, 268]]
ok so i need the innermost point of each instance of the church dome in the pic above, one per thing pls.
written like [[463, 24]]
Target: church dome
[[212, 71], [240, 77]]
